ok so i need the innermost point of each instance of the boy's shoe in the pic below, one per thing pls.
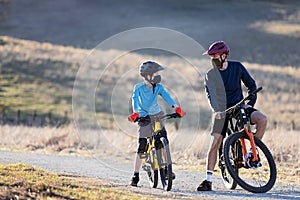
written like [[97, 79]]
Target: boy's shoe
[[135, 179], [173, 176], [166, 176], [205, 186]]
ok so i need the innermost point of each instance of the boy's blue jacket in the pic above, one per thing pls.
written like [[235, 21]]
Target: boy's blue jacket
[[144, 101]]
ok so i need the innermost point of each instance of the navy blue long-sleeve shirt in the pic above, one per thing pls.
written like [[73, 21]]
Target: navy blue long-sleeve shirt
[[224, 89]]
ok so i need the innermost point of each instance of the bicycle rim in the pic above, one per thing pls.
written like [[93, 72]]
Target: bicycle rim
[[228, 181], [152, 172], [256, 180], [165, 165]]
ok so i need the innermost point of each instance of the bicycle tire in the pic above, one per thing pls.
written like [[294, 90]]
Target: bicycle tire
[[255, 185], [166, 178], [228, 181], [152, 173]]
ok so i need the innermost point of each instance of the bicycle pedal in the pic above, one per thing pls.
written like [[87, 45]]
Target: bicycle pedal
[[146, 167], [221, 166], [240, 164]]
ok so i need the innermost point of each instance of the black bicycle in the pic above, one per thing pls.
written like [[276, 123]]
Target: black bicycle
[[158, 156], [254, 171]]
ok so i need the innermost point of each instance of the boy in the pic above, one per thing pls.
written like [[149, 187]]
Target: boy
[[144, 103]]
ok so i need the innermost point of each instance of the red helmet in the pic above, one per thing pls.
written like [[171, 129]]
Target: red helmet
[[218, 47]]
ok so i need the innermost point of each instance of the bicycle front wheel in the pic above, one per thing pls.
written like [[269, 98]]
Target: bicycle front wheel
[[257, 180], [165, 163], [152, 170]]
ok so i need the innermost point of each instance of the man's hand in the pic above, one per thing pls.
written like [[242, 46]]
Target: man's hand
[[133, 117], [218, 115], [247, 106], [179, 111]]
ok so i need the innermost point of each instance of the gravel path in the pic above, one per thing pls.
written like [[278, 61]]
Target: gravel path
[[120, 172]]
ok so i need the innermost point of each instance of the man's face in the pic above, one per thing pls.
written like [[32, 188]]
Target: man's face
[[216, 61], [218, 56], [215, 56]]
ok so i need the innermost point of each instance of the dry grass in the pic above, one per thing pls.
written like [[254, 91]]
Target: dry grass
[[41, 79], [189, 148], [280, 28], [47, 72], [44, 140]]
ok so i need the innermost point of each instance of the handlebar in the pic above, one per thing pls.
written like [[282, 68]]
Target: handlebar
[[249, 97], [252, 94], [169, 116], [166, 116]]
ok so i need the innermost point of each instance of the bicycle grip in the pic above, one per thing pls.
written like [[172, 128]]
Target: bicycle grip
[[257, 90]]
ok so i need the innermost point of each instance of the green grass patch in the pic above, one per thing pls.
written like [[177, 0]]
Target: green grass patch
[[21, 181]]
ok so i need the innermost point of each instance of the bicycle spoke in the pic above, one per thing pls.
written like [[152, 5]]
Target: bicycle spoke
[[252, 176], [259, 176]]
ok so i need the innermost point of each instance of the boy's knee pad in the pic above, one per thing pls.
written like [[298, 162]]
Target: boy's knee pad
[[142, 148]]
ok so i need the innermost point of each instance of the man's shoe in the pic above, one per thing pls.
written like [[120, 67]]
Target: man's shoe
[[204, 186], [135, 179], [249, 162]]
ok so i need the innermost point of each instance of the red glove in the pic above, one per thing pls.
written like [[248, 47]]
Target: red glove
[[133, 117], [179, 111]]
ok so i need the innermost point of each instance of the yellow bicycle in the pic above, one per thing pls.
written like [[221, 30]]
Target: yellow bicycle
[[158, 156]]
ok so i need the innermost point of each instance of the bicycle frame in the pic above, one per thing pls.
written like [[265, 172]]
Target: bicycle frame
[[157, 128], [243, 125]]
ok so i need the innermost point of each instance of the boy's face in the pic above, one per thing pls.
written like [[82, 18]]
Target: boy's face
[[155, 74], [154, 78]]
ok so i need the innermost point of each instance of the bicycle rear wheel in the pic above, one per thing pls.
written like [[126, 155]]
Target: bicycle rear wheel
[[256, 180], [165, 163], [228, 181]]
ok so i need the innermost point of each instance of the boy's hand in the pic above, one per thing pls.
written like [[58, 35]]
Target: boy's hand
[[179, 111], [133, 117]]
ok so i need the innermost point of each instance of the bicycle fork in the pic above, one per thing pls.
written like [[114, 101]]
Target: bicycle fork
[[252, 143]]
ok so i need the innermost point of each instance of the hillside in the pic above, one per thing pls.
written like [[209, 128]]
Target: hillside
[[260, 31], [40, 77]]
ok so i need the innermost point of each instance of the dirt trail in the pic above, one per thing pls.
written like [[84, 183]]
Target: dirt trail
[[120, 172]]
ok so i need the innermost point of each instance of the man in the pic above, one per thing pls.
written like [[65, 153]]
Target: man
[[223, 89]]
